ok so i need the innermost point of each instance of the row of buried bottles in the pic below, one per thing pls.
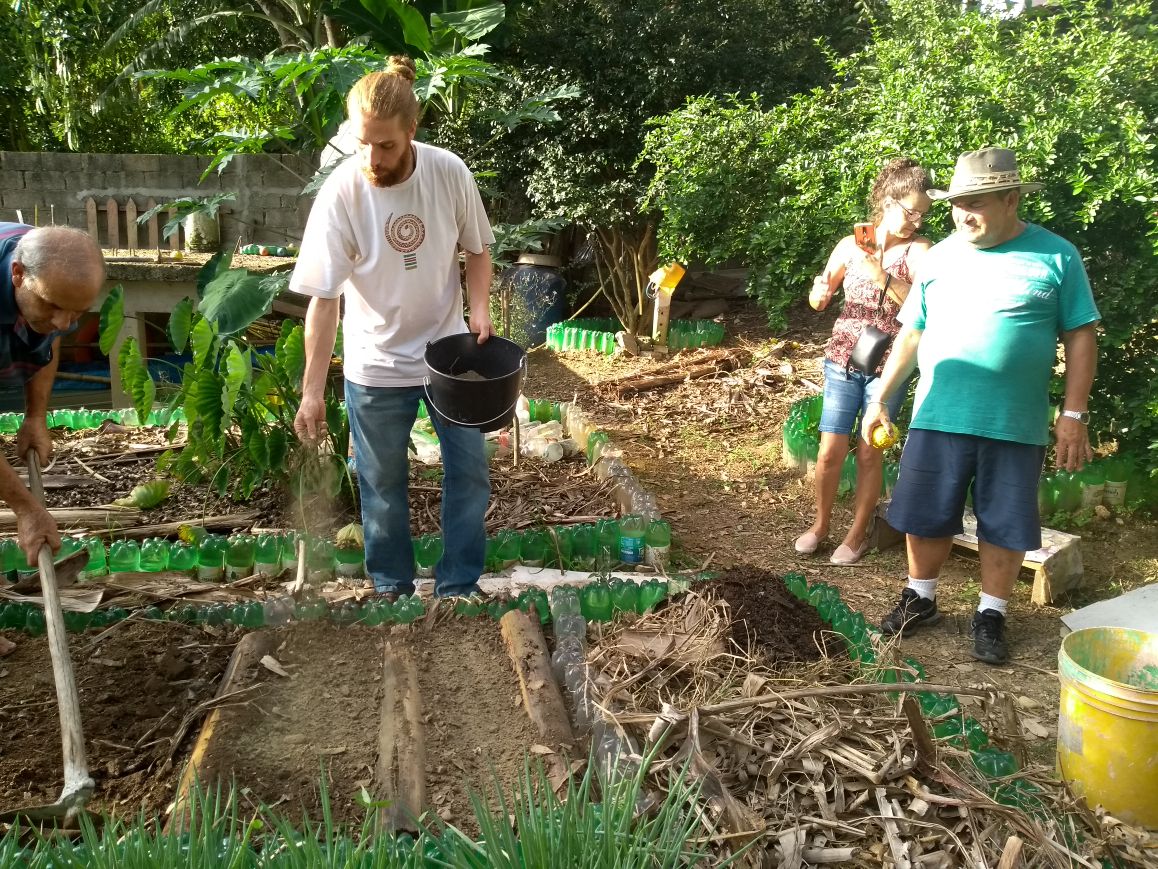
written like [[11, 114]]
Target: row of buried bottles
[[81, 418], [597, 601], [597, 334], [942, 710], [599, 546]]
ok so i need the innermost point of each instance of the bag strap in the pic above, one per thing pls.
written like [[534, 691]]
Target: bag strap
[[888, 277]]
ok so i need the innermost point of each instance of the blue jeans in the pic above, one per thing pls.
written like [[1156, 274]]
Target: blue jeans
[[847, 394], [380, 423]]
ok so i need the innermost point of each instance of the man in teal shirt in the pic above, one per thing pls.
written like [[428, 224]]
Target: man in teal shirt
[[982, 326]]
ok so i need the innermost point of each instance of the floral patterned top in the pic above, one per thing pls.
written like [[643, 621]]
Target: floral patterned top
[[863, 307]]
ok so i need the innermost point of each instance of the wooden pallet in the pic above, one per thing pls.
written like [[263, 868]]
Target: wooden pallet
[[1057, 566]]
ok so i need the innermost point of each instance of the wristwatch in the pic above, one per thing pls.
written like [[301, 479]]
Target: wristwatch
[[1082, 416]]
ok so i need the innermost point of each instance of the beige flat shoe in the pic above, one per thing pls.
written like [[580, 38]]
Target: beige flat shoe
[[847, 555], [807, 543]]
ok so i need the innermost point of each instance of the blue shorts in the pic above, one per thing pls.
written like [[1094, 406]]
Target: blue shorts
[[937, 470], [847, 394]]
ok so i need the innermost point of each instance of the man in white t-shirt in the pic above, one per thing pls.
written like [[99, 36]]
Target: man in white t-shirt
[[385, 232]]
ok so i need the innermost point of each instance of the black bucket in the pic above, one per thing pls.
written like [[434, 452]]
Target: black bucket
[[486, 399]]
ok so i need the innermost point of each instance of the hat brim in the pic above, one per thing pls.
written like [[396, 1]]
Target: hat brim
[[1028, 187]]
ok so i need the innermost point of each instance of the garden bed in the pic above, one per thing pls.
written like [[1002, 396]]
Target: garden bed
[[142, 686]]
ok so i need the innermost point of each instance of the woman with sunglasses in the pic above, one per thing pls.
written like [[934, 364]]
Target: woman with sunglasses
[[875, 266]]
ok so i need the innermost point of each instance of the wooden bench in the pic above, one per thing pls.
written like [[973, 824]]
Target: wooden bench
[[1056, 566]]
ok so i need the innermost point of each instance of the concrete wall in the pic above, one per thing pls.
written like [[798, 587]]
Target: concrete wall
[[267, 209]]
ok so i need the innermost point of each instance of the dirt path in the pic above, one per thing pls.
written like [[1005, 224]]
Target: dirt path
[[710, 450]]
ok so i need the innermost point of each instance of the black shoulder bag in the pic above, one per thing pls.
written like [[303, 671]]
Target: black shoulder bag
[[872, 344]]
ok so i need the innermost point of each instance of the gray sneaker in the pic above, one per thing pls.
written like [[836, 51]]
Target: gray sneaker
[[913, 611]]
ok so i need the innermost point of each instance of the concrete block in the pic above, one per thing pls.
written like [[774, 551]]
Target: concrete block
[[16, 161], [40, 182], [139, 163], [104, 163]]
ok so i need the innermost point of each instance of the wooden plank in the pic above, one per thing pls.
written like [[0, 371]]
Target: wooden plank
[[90, 216], [400, 776], [152, 226], [112, 221], [131, 225], [175, 238]]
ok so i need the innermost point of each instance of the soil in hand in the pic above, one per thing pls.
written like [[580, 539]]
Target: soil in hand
[[139, 688], [767, 618]]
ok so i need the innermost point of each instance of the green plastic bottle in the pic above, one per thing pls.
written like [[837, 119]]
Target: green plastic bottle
[[533, 548], [650, 594], [267, 554], [211, 558], [182, 556], [11, 615], [561, 547], [34, 622], [350, 561], [154, 555], [289, 550], [1046, 497], [595, 602], [1068, 497], [10, 423], [535, 600], [657, 545], [1093, 483], [632, 529], [239, 556], [624, 595], [124, 556], [10, 557], [427, 552], [320, 560], [97, 564], [607, 551], [797, 585], [584, 545], [1117, 472], [993, 762]]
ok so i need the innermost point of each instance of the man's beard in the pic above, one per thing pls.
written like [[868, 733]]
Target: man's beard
[[390, 177]]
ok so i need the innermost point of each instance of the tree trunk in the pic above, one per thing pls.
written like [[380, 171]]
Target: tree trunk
[[624, 257]]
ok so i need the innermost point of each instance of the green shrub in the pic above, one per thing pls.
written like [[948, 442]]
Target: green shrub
[[1069, 87]]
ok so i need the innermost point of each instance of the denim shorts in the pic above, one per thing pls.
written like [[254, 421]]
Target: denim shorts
[[847, 394], [938, 469]]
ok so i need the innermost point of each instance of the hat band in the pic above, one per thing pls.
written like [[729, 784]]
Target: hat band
[[991, 179]]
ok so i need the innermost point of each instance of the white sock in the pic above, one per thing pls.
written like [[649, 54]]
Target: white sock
[[926, 588], [989, 602]]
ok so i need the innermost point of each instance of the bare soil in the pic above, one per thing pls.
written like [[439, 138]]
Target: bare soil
[[140, 685], [284, 735], [477, 732]]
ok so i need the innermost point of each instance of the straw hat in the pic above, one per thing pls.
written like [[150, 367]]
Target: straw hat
[[985, 171]]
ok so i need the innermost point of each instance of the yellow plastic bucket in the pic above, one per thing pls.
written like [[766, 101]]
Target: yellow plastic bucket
[[1107, 740]]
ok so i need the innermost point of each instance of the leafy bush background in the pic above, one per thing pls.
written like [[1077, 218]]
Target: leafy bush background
[[1070, 87]]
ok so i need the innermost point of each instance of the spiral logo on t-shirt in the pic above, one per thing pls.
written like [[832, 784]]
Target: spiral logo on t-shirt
[[406, 235]]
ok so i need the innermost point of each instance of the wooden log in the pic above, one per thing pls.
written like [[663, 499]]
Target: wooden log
[[541, 695], [175, 238], [246, 654], [76, 517], [211, 523], [400, 775], [719, 361]]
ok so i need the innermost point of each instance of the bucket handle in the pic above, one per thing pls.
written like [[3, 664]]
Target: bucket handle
[[430, 401]]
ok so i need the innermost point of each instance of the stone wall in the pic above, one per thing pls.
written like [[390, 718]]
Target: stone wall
[[267, 209]]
